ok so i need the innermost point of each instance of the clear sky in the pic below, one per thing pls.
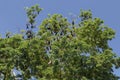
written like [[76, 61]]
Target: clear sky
[[13, 16]]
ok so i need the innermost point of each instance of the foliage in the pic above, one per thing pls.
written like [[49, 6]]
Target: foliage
[[32, 13], [61, 50]]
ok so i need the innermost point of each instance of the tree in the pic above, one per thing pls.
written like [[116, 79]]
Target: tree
[[60, 50]]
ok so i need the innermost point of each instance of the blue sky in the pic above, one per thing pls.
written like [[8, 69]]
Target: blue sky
[[13, 16]]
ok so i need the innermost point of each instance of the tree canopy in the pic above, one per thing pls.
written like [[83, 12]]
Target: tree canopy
[[60, 50]]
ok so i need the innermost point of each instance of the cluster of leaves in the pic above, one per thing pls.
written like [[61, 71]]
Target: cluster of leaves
[[61, 50], [32, 13]]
